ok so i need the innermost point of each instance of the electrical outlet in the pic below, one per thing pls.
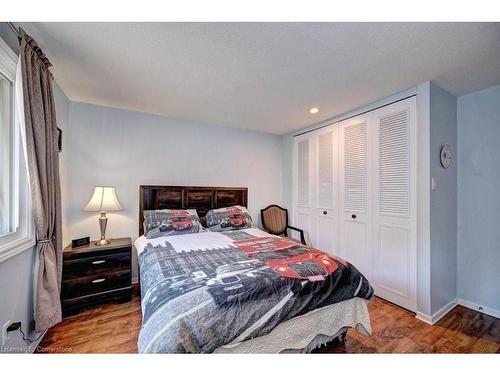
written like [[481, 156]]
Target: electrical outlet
[[5, 334]]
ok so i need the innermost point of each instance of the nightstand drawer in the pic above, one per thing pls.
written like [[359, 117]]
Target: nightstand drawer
[[96, 265], [83, 286]]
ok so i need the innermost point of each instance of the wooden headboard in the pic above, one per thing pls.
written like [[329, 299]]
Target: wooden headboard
[[200, 198]]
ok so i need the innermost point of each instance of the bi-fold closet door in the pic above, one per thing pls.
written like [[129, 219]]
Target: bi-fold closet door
[[355, 198], [394, 190], [354, 193], [315, 188]]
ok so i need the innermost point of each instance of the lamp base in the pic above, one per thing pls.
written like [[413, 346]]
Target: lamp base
[[102, 242], [103, 221]]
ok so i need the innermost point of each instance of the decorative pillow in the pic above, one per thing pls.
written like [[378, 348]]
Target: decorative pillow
[[228, 218], [159, 223]]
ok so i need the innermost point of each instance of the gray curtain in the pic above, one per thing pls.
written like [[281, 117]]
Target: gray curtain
[[43, 168]]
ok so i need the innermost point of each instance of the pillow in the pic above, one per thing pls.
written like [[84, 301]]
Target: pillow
[[160, 223], [228, 218]]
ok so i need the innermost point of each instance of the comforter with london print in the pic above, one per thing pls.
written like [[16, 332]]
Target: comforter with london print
[[205, 290]]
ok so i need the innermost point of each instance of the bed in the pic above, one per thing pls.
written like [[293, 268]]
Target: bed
[[242, 290]]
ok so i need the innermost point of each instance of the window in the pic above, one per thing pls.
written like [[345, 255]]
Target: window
[[8, 168], [16, 229]]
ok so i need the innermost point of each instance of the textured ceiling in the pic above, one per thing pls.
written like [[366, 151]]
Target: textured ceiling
[[263, 76]]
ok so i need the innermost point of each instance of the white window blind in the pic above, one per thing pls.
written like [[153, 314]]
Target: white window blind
[[8, 148], [16, 224]]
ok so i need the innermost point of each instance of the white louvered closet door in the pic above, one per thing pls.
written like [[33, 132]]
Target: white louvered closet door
[[355, 195], [325, 184], [302, 181], [394, 203]]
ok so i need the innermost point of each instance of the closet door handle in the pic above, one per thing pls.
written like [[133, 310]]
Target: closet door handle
[[354, 216]]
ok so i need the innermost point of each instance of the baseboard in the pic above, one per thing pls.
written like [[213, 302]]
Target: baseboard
[[476, 306], [436, 317], [424, 318]]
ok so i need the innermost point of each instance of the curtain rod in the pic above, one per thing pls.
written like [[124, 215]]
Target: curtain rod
[[15, 29], [351, 116]]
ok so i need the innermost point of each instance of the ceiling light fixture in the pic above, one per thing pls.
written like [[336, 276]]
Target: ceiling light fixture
[[314, 110]]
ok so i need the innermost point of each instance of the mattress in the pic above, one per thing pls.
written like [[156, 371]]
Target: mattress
[[202, 292]]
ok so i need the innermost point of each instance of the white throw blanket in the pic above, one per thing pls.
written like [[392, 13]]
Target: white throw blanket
[[298, 333]]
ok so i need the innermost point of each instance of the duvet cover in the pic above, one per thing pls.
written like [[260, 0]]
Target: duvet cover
[[205, 290]]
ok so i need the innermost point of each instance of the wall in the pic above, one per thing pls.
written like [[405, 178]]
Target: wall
[[16, 294], [62, 115], [287, 150], [478, 199], [443, 200], [424, 310], [126, 149], [16, 273]]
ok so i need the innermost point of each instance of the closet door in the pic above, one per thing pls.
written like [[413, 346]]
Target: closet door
[[355, 195], [302, 181], [394, 203], [325, 195]]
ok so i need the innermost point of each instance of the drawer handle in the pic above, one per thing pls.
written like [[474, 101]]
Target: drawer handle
[[353, 216], [325, 212], [98, 262], [97, 281]]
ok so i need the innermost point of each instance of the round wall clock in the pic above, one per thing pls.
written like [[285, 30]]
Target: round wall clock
[[446, 155]]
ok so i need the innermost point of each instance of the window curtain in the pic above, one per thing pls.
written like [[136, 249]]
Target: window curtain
[[40, 140]]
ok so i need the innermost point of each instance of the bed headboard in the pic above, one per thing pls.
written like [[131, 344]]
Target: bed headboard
[[200, 198]]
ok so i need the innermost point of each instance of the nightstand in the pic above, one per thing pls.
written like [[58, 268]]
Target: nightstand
[[93, 275]]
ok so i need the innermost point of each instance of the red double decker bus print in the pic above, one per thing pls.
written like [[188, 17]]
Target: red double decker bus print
[[235, 218], [288, 258], [179, 220]]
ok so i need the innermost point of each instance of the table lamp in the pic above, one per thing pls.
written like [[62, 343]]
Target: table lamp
[[103, 199]]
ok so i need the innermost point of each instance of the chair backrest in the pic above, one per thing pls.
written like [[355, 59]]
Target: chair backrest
[[274, 219]]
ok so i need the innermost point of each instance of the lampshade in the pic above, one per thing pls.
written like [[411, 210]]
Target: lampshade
[[103, 199]]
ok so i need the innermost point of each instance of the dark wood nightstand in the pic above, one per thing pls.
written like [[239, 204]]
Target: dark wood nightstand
[[93, 275]]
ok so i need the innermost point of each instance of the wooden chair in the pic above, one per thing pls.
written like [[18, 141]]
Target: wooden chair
[[275, 221]]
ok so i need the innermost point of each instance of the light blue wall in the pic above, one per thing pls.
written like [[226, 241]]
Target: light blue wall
[[424, 310], [62, 115], [443, 200], [9, 37], [125, 149], [287, 150], [16, 273], [16, 293], [479, 198]]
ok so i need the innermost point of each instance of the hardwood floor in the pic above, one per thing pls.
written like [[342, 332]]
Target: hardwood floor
[[114, 328], [395, 330], [111, 328]]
